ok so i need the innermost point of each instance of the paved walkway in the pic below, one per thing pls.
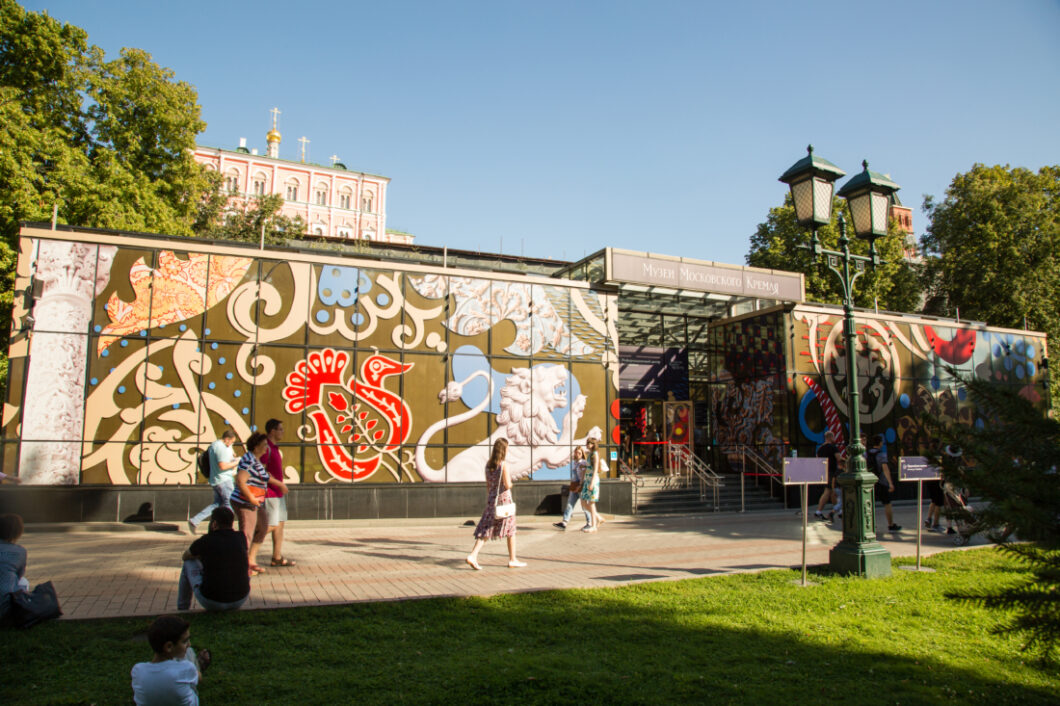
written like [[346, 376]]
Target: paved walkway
[[115, 570]]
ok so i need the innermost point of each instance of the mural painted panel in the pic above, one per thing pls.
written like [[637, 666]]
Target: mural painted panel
[[903, 372], [371, 385], [747, 388], [774, 401]]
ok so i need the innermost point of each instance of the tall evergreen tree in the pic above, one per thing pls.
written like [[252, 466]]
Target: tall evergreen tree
[[1012, 465]]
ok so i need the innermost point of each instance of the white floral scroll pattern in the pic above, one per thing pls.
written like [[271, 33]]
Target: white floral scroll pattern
[[242, 304], [175, 419], [483, 303]]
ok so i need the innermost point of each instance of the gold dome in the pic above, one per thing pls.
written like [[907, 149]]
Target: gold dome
[[273, 135]]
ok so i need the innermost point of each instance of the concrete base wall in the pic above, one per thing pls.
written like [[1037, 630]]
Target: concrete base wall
[[108, 503]]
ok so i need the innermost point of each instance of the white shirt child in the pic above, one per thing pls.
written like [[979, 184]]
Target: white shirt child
[[174, 682]]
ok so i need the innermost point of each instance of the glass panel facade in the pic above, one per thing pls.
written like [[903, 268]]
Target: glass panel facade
[[379, 375]]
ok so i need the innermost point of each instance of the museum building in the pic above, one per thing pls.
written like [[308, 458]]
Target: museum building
[[395, 367]]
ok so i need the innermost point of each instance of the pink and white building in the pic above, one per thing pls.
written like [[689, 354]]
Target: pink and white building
[[334, 202]]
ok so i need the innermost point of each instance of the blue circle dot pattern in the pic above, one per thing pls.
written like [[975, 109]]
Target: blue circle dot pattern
[[340, 286]]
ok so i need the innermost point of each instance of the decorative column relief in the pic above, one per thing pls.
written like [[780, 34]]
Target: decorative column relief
[[73, 274]]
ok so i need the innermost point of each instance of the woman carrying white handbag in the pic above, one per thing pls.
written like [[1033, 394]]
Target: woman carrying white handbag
[[498, 519]]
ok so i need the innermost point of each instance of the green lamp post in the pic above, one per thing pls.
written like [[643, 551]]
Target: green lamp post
[[812, 181]]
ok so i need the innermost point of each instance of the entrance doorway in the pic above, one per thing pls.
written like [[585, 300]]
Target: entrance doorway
[[678, 426], [642, 433], [649, 426]]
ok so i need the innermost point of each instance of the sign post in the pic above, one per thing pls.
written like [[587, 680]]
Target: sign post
[[804, 472], [917, 468]]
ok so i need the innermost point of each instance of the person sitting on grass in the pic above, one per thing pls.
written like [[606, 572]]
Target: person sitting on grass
[[12, 562], [172, 676], [215, 567]]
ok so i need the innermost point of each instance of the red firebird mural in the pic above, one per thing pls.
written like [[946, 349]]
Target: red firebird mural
[[305, 390], [957, 350]]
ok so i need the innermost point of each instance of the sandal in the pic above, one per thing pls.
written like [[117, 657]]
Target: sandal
[[283, 561], [204, 659], [255, 570]]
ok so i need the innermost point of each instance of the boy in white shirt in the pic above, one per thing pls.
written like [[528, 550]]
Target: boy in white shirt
[[172, 676]]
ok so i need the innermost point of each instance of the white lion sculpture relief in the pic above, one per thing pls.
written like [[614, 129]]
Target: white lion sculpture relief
[[528, 399]]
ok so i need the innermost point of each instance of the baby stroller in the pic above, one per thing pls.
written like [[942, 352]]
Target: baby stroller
[[960, 512]]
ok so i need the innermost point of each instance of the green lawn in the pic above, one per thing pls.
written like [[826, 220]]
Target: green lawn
[[757, 638]]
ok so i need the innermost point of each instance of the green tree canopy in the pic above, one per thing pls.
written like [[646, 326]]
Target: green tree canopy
[[775, 245], [992, 248], [245, 222], [107, 143]]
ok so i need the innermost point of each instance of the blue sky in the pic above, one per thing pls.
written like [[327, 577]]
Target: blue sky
[[554, 129]]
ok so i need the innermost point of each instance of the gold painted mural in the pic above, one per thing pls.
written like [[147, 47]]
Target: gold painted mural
[[385, 375]]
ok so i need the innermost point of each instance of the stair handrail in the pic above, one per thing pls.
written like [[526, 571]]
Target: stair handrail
[[761, 466], [633, 476], [706, 476]]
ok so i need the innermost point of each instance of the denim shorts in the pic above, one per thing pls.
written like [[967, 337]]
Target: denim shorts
[[276, 509]]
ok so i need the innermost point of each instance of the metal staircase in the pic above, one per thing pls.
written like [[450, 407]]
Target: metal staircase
[[691, 486]]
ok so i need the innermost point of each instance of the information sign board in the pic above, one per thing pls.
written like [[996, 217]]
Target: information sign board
[[805, 471], [916, 468]]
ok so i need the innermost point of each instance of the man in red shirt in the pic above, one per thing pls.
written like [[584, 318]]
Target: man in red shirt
[[276, 495]]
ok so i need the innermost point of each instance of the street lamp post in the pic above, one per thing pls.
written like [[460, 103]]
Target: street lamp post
[[812, 181]]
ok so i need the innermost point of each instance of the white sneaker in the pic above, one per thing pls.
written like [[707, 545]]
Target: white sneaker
[[516, 564]]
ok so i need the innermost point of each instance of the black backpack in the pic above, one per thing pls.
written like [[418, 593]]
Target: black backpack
[[203, 464], [872, 461]]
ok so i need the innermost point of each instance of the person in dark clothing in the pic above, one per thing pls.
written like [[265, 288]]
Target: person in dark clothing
[[215, 567], [829, 451], [879, 464]]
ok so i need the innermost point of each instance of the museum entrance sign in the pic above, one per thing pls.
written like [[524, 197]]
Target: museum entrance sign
[[702, 276]]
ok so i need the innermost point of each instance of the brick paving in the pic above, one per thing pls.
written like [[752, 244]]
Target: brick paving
[[112, 570]]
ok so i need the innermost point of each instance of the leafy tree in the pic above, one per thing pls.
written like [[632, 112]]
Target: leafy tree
[[775, 245], [106, 143], [992, 248], [244, 222], [1013, 469]]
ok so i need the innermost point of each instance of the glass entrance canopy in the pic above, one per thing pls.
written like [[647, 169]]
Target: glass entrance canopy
[[649, 285]]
